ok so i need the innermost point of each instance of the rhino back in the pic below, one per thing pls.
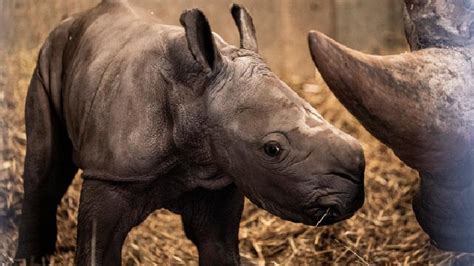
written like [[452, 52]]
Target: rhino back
[[114, 96]]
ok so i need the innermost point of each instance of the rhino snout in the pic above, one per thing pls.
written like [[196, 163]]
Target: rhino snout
[[345, 177]]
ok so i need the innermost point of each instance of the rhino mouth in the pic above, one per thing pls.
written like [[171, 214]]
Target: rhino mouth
[[326, 210], [329, 214], [341, 204]]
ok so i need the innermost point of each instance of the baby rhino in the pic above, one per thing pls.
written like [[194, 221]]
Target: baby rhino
[[162, 116]]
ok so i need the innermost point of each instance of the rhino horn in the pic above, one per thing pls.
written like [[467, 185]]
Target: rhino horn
[[417, 103]]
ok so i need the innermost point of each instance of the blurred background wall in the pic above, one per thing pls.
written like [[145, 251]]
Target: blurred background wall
[[373, 26]]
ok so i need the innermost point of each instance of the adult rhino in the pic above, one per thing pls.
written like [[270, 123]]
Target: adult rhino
[[421, 104], [162, 116]]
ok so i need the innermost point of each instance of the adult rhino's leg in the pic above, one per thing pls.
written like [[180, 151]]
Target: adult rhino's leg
[[107, 212], [211, 220], [48, 172]]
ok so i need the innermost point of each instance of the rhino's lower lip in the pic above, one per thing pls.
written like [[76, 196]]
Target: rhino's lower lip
[[315, 217], [333, 217]]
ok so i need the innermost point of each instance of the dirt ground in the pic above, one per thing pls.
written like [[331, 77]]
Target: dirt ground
[[384, 231]]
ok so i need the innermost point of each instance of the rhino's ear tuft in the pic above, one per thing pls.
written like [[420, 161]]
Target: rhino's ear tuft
[[244, 22], [200, 39]]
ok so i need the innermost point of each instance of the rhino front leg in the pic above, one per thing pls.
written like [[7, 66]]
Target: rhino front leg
[[48, 172], [211, 220], [107, 212]]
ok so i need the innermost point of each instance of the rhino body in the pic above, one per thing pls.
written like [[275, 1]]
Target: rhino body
[[161, 116]]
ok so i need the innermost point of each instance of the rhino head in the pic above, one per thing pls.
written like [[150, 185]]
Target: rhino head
[[272, 144], [421, 105]]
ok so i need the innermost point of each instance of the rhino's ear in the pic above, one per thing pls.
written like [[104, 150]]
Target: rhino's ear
[[200, 39], [244, 22]]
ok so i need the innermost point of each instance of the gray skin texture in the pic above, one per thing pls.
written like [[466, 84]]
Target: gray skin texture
[[162, 116], [420, 104]]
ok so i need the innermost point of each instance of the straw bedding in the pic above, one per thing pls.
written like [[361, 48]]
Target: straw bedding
[[384, 231]]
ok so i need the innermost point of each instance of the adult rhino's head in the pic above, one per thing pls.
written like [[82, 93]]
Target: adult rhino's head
[[273, 145], [420, 104]]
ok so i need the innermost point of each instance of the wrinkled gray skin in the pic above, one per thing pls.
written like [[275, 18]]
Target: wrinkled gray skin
[[159, 116], [420, 104]]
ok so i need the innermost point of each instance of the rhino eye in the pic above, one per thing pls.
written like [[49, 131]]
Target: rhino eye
[[272, 149]]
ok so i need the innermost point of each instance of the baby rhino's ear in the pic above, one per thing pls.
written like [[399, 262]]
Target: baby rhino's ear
[[244, 22], [200, 39]]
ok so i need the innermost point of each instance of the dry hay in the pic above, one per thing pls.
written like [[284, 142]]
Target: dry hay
[[384, 231]]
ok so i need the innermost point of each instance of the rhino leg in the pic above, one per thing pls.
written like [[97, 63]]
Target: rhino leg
[[48, 172], [211, 220], [107, 212]]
